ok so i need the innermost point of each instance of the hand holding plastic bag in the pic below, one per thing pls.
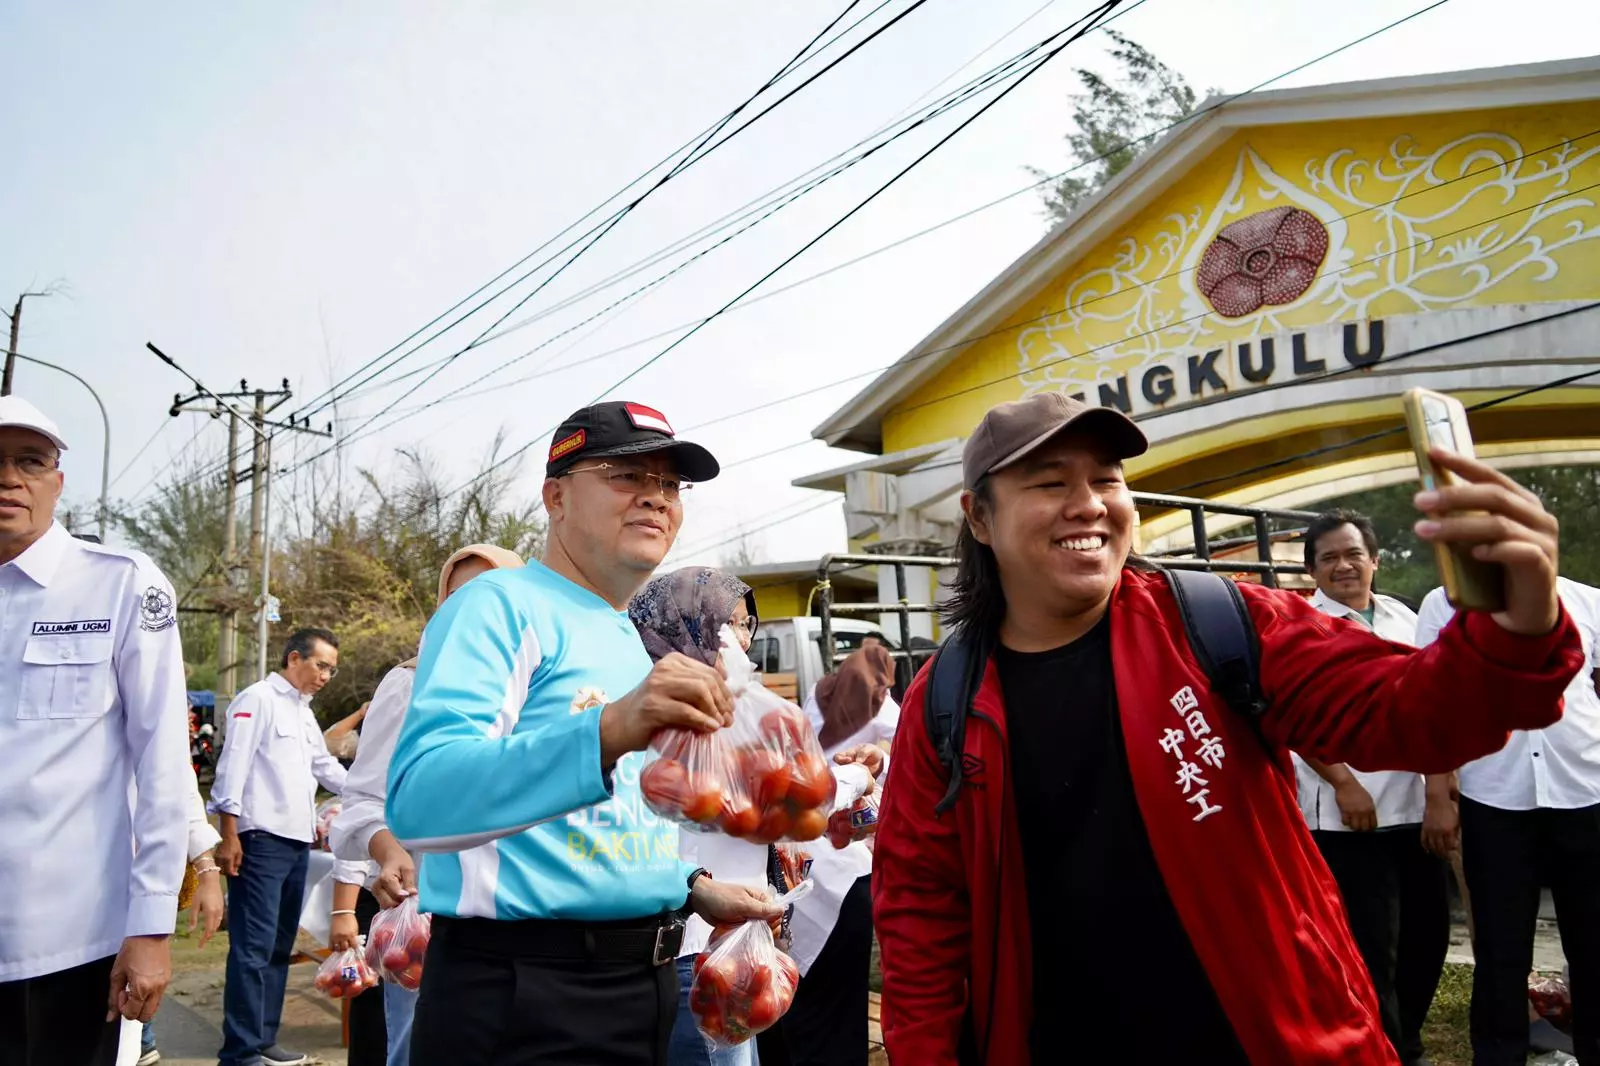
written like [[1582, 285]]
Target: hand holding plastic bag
[[397, 942], [858, 822], [765, 774], [327, 811], [345, 974], [742, 983]]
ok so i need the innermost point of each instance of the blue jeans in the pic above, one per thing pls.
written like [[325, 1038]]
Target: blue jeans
[[264, 904], [688, 1047], [147, 1037], [399, 1004]]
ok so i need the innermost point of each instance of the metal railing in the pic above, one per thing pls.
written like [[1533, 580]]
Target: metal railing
[[1203, 558]]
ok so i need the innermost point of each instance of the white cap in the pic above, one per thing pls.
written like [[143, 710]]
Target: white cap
[[15, 411]]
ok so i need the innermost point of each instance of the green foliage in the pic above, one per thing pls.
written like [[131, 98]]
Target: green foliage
[[1114, 121], [1405, 564], [365, 566]]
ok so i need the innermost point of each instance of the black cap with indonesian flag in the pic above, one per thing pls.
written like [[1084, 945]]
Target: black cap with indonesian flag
[[617, 428]]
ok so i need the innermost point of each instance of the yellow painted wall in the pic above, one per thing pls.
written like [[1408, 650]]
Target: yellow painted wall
[[1492, 208], [782, 600]]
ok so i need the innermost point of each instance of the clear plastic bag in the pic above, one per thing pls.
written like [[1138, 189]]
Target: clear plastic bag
[[397, 943], [742, 983], [345, 974], [795, 862], [327, 811], [1552, 999], [857, 822], [765, 774]]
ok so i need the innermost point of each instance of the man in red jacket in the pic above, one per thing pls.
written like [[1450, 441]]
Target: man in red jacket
[[1126, 864]]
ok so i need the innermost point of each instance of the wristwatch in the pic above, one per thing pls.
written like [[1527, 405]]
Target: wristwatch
[[697, 875]]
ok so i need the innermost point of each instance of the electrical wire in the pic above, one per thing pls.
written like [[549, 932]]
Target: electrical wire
[[160, 429], [462, 391], [700, 151], [968, 91], [1090, 18], [331, 393]]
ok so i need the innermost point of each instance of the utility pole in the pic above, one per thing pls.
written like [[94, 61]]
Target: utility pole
[[265, 401], [11, 349]]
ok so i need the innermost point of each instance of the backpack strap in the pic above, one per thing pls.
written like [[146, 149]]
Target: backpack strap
[[953, 681], [1219, 628]]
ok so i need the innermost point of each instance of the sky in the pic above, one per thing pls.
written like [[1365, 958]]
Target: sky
[[288, 191]]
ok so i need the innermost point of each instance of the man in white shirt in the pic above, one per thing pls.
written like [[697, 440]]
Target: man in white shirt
[[1530, 817], [273, 757], [1381, 833], [92, 672]]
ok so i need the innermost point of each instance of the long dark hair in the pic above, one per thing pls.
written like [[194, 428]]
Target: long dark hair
[[977, 603]]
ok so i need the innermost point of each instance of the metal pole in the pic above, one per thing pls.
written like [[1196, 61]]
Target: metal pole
[[228, 638], [263, 625], [105, 420], [1264, 551]]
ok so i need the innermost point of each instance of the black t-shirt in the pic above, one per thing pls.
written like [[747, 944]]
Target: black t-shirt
[[1114, 972]]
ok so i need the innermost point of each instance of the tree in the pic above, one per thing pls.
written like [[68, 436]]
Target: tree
[[1114, 122], [742, 554], [364, 562], [1405, 565]]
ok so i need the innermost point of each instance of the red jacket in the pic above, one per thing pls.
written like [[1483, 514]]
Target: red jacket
[[1258, 903]]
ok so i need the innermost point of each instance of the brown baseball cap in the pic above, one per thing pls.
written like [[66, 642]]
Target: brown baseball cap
[[1012, 430]]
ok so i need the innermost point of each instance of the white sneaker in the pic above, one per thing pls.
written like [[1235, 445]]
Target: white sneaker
[[149, 1058]]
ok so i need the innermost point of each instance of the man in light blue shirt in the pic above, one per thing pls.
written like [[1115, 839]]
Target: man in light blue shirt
[[558, 896]]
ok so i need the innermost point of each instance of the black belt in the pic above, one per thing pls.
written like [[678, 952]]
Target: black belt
[[655, 940]]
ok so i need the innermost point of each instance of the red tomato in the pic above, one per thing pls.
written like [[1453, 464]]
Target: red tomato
[[739, 821], [774, 826], [705, 804], [665, 785], [809, 824], [717, 978], [765, 1010], [379, 939], [410, 977], [811, 783], [417, 946], [396, 959], [788, 976], [757, 979], [766, 775]]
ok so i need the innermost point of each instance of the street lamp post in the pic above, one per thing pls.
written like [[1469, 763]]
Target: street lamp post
[[105, 461]]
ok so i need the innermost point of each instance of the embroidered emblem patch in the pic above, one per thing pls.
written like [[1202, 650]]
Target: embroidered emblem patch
[[156, 611], [567, 445], [589, 698]]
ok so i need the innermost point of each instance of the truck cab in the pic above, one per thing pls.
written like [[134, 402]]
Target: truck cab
[[788, 651]]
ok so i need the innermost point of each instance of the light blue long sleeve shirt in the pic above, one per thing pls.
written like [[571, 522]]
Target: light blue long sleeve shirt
[[496, 776]]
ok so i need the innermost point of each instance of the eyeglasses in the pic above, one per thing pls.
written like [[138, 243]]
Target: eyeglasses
[[637, 482], [30, 465], [749, 623], [325, 668]]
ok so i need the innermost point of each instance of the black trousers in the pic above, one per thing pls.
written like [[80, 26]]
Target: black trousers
[[827, 1023], [485, 1001], [1396, 896], [1508, 856], [59, 1019], [369, 1034]]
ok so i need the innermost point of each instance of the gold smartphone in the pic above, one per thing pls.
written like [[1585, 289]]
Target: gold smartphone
[[1439, 421]]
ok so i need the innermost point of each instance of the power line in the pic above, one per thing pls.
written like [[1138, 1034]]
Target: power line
[[1090, 18], [461, 393], [333, 389], [971, 90], [160, 429], [813, 506], [699, 152]]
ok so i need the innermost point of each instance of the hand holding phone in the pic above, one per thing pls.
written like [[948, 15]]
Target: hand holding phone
[[1495, 543]]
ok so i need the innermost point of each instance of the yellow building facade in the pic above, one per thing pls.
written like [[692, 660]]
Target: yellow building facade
[[1259, 288]]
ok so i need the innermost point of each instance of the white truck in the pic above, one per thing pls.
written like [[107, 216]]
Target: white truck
[[788, 651]]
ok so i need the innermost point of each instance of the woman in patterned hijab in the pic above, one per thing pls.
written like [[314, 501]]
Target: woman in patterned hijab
[[684, 611]]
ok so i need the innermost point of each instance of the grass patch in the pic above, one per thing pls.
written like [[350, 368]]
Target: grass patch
[[187, 954], [1445, 1034]]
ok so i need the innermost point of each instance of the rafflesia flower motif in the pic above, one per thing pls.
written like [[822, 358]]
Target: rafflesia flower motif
[[1270, 257]]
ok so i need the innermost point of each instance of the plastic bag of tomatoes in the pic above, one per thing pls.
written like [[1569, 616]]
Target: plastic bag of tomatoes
[[397, 942], [345, 974], [742, 983], [762, 779], [857, 822]]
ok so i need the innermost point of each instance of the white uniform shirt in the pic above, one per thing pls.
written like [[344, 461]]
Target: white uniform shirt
[[367, 787], [272, 758], [92, 704], [1400, 797], [1555, 767]]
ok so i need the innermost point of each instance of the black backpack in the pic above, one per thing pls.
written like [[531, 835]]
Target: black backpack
[[1215, 621]]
